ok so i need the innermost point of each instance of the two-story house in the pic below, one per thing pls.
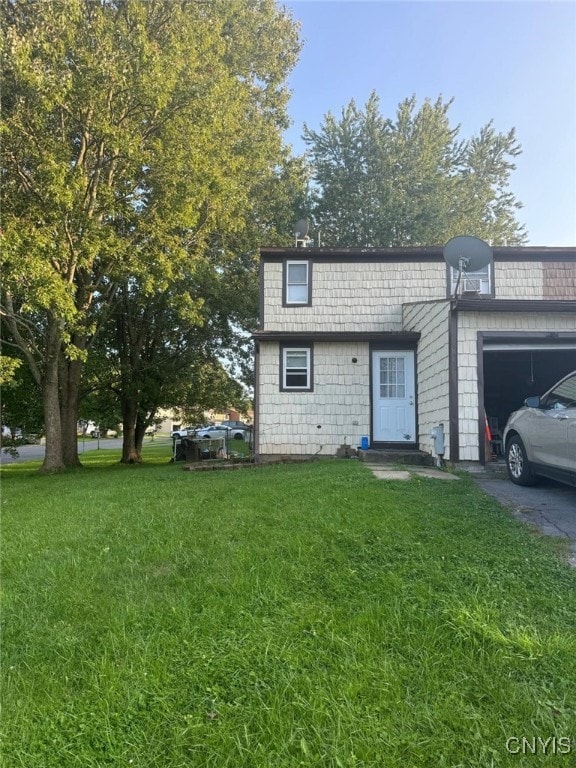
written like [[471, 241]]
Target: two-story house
[[372, 342]]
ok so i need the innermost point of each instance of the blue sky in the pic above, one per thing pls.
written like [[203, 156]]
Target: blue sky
[[511, 62]]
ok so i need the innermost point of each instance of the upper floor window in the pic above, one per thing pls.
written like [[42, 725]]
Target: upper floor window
[[472, 282], [297, 287]]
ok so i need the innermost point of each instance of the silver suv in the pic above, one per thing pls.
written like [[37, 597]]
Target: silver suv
[[540, 438]]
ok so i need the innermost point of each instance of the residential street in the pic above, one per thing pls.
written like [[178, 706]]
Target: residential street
[[36, 452]]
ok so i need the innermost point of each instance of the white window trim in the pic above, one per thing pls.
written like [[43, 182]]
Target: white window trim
[[290, 263], [285, 352]]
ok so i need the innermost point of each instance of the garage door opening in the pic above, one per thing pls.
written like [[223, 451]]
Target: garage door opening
[[515, 373]]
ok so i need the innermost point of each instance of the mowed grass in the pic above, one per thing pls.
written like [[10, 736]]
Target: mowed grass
[[294, 615]]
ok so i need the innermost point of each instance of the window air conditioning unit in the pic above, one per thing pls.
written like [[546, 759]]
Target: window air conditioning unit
[[471, 285]]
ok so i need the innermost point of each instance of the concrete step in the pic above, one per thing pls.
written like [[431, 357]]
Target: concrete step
[[396, 456]]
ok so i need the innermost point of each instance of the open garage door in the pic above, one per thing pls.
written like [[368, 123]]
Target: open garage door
[[514, 371]]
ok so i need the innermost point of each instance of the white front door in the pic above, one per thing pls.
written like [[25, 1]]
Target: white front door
[[393, 397]]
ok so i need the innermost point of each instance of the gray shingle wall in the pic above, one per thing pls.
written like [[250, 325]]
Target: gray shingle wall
[[352, 297], [369, 297], [432, 368], [366, 296], [559, 280], [301, 422]]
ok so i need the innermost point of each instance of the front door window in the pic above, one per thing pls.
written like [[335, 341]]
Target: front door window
[[394, 410], [392, 377]]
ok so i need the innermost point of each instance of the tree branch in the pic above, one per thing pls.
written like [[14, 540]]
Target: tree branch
[[70, 272], [28, 351]]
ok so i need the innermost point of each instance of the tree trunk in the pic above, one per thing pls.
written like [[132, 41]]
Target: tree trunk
[[130, 452], [140, 432], [69, 404], [53, 456]]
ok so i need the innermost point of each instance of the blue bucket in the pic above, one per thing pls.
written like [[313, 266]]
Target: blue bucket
[[364, 443]]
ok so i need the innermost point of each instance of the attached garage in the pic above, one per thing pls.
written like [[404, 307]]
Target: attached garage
[[514, 372], [516, 366], [507, 350]]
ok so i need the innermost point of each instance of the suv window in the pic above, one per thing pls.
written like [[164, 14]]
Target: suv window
[[564, 395]]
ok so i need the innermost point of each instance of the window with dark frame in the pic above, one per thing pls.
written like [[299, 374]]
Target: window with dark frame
[[296, 368], [297, 282]]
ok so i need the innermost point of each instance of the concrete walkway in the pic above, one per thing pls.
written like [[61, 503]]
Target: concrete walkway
[[389, 472]]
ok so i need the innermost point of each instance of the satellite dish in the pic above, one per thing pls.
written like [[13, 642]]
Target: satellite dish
[[466, 254], [301, 232], [301, 229]]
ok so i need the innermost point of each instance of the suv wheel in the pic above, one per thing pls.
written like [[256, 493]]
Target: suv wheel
[[519, 469]]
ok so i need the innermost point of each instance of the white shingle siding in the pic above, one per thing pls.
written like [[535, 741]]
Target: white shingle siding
[[469, 323], [383, 296], [535, 280], [288, 421], [366, 296], [432, 368], [360, 296], [518, 280]]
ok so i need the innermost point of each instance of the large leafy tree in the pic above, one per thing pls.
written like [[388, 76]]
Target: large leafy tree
[[157, 353], [410, 179], [187, 345], [134, 131]]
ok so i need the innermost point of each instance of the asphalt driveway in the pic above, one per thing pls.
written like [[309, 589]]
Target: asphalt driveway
[[550, 506]]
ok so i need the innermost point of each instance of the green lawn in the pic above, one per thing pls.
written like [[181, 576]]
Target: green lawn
[[295, 615]]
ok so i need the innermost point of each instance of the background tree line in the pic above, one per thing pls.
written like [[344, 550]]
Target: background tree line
[[142, 167]]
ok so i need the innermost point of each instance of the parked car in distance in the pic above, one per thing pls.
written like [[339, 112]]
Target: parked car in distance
[[234, 424], [212, 431], [540, 438], [10, 432], [184, 432], [236, 433], [89, 429]]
